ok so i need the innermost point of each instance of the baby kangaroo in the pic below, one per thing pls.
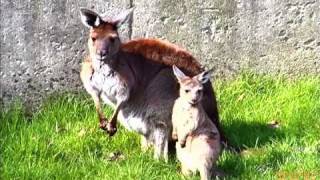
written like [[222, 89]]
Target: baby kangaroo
[[199, 139]]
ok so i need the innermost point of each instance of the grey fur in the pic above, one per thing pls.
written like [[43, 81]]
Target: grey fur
[[147, 101], [142, 93]]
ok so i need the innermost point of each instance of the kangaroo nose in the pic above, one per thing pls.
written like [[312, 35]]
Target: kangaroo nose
[[102, 53], [193, 101]]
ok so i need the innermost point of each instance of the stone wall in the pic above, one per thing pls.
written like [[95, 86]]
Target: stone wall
[[43, 41]]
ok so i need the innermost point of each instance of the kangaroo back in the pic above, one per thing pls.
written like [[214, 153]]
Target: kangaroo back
[[163, 52]]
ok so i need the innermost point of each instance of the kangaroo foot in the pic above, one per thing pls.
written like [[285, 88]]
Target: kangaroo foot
[[111, 129]]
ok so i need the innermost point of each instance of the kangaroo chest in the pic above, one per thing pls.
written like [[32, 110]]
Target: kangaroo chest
[[192, 117], [109, 84], [186, 117], [113, 89]]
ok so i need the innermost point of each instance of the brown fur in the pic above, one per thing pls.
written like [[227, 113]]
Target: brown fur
[[99, 34], [163, 52], [103, 30]]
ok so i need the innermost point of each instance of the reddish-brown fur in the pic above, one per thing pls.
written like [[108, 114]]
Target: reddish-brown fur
[[163, 52], [104, 31]]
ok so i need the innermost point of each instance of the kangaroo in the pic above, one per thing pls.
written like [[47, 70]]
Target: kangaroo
[[136, 79], [199, 140]]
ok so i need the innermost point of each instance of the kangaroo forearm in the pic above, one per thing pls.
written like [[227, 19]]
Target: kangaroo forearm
[[185, 133], [112, 125], [183, 140], [86, 71], [114, 116], [101, 116], [183, 137]]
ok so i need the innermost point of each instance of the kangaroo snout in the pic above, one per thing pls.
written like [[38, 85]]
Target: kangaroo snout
[[194, 101], [103, 49], [102, 54]]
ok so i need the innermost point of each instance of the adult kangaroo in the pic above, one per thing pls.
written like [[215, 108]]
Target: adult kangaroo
[[136, 79]]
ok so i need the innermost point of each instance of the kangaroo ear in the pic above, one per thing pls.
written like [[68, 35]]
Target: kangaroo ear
[[90, 18], [204, 76], [178, 73], [123, 17]]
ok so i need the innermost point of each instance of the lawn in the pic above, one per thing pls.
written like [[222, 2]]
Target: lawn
[[62, 139]]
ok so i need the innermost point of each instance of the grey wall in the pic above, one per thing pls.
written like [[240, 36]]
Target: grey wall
[[43, 41]]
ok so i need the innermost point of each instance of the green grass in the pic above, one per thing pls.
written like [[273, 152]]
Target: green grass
[[62, 139]]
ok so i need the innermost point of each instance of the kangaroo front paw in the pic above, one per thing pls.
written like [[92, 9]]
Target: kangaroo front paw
[[182, 144], [111, 129], [103, 124], [174, 137]]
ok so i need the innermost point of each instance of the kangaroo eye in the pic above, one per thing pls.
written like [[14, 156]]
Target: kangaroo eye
[[93, 39], [187, 90], [199, 91]]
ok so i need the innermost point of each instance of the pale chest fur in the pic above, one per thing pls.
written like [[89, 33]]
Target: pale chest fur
[[186, 117], [110, 85], [114, 89]]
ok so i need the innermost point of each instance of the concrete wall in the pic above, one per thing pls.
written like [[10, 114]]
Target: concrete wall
[[43, 41]]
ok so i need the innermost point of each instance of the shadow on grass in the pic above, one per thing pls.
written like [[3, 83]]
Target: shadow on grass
[[243, 135], [256, 165], [251, 136]]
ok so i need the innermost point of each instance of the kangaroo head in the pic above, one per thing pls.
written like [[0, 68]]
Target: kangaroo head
[[191, 88], [104, 41]]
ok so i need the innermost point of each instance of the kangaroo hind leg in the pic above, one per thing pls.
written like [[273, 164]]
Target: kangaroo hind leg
[[160, 144]]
